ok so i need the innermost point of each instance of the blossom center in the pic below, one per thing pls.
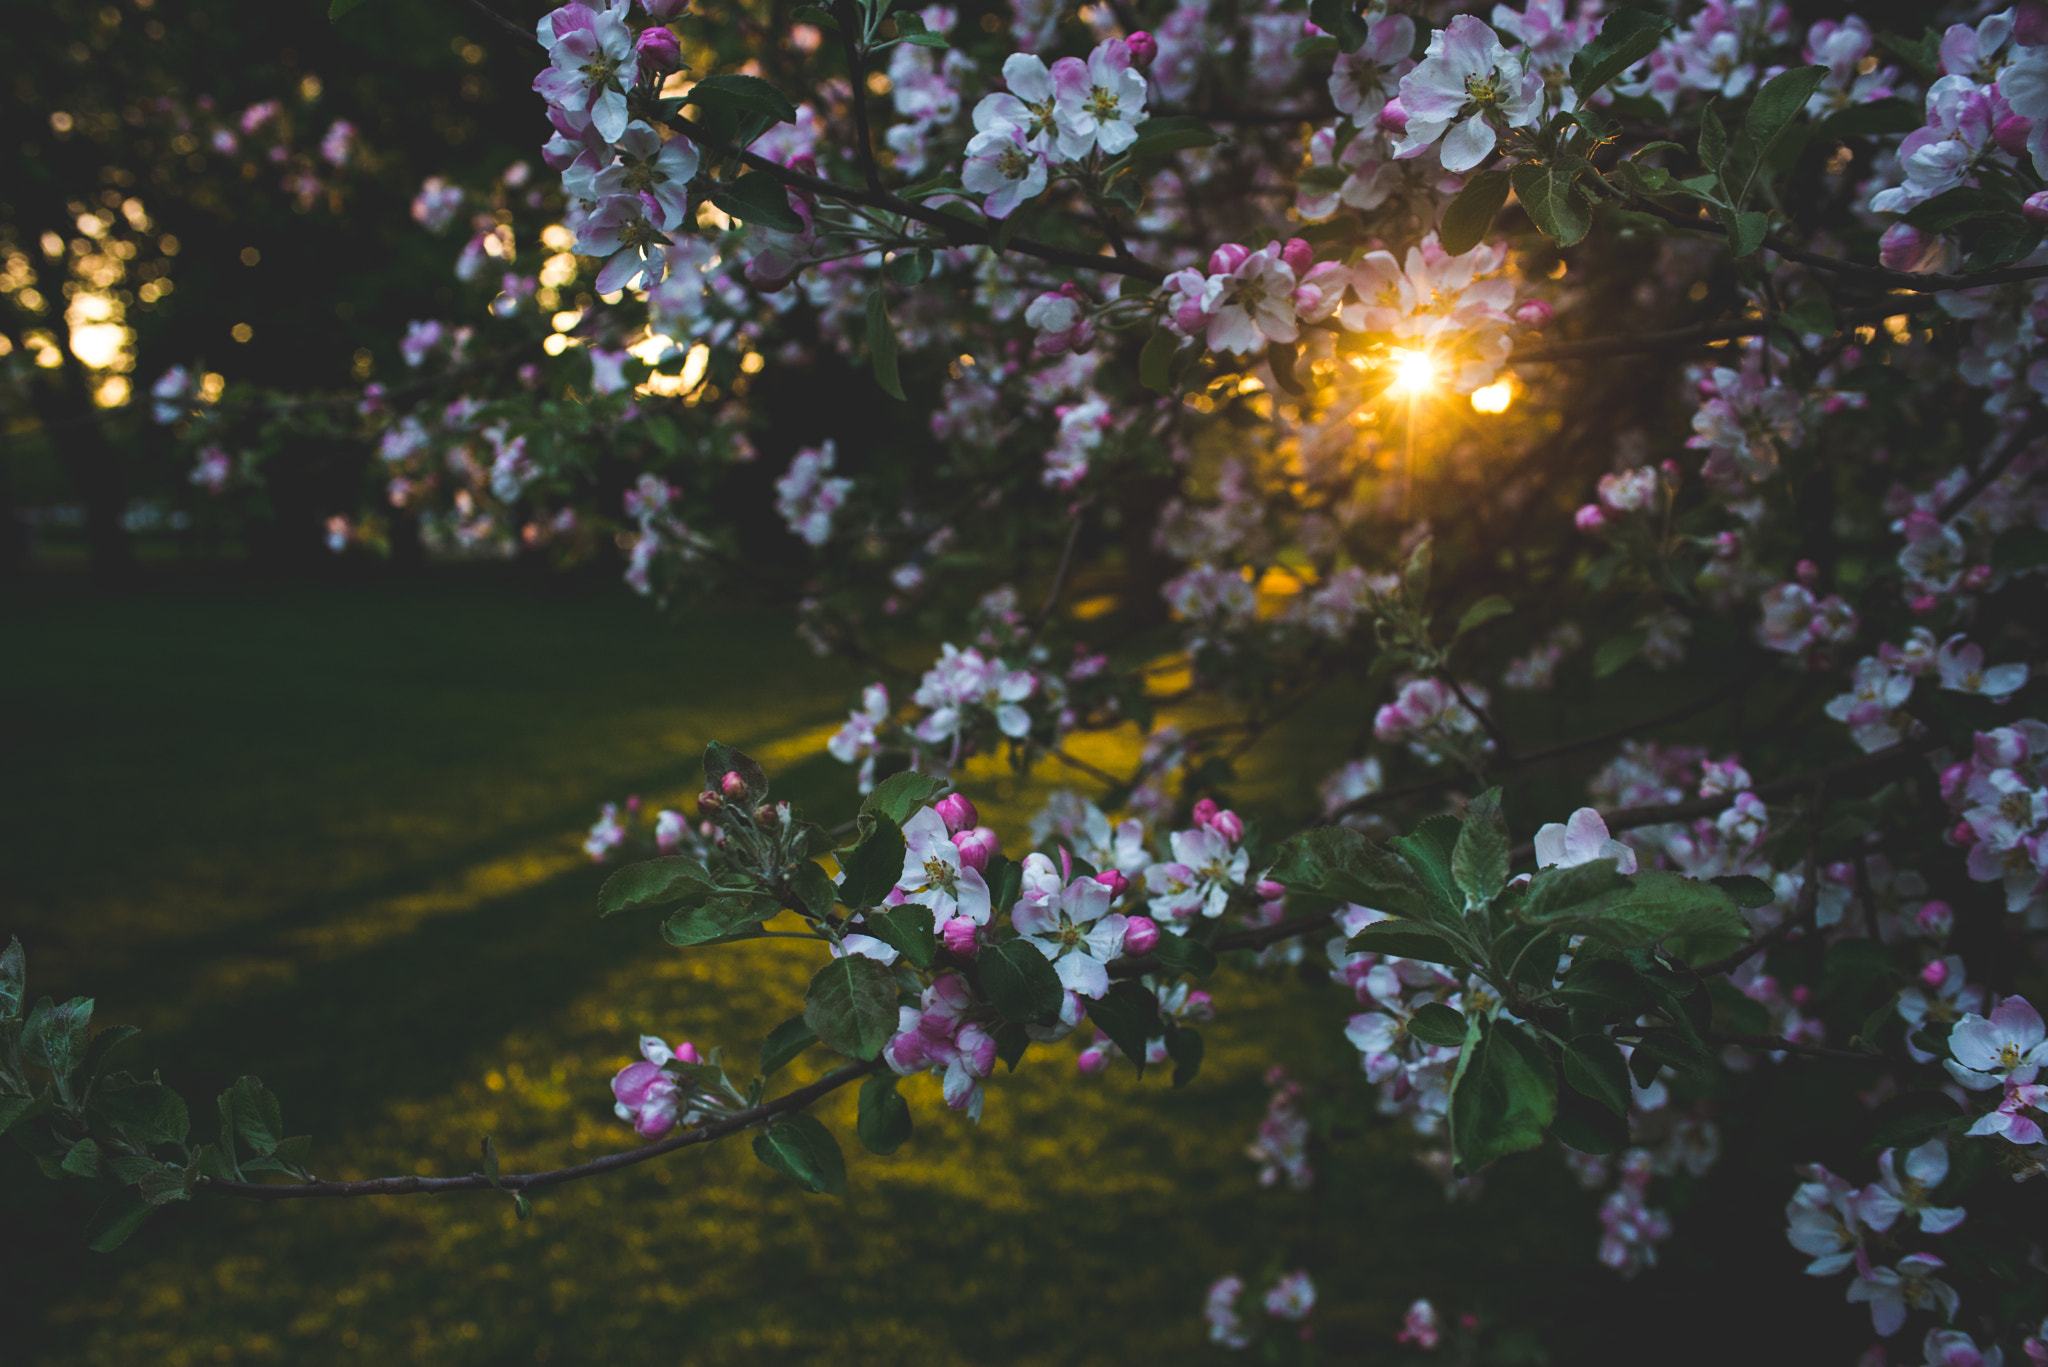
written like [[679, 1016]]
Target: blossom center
[[939, 874], [1014, 163]]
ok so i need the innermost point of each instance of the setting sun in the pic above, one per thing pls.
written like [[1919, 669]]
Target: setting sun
[[1414, 372]]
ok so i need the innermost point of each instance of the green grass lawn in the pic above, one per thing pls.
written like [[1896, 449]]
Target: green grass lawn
[[330, 836]]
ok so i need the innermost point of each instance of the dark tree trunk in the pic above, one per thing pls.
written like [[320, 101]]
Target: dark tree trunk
[[65, 407]]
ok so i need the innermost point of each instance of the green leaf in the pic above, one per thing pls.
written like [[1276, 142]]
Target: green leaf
[[884, 1122], [804, 1151], [1472, 212], [1340, 19], [1616, 652], [121, 1214], [900, 795], [1662, 1046], [1482, 612], [882, 346], [111, 1046], [758, 197], [1911, 1120], [1435, 1023], [259, 1120], [1693, 919], [1175, 133], [1713, 139], [1184, 1047], [13, 979], [83, 1160], [907, 928], [1479, 861], [1011, 1042], [56, 1037], [814, 15], [1736, 1014], [1746, 231], [1777, 104], [1503, 1096], [784, 1043], [150, 1111], [1428, 850], [335, 9], [654, 882], [1407, 940], [730, 916], [1155, 362], [1746, 891], [1551, 199], [1005, 879], [13, 1109], [721, 759], [1021, 982], [1924, 56], [1951, 209], [1626, 37], [1184, 954], [852, 1005], [160, 1184], [746, 94], [1557, 892], [490, 1161], [1338, 863], [1593, 1065], [1129, 1014], [813, 887], [872, 867], [1587, 1126], [1606, 987]]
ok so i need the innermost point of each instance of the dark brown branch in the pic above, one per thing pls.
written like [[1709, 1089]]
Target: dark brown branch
[[533, 1181], [848, 15], [1628, 818], [1774, 1044], [1994, 467], [1878, 277], [1059, 578], [1699, 334]]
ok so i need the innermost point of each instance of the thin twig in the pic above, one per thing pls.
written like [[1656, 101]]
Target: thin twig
[[1878, 276], [1699, 334], [1994, 467], [533, 1181], [1059, 578], [864, 142]]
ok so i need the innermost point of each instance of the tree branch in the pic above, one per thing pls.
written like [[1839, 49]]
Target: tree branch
[[1988, 474], [1698, 334], [533, 1181], [1875, 276]]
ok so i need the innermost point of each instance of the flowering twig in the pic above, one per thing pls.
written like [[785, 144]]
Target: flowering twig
[[533, 1181]]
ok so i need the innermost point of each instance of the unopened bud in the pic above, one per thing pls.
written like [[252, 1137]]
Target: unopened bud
[[977, 1050], [1143, 48], [1934, 974], [1936, 920], [1925, 604], [765, 814], [1590, 518], [733, 785], [2011, 134], [1977, 578], [1534, 314], [957, 812], [977, 847], [1392, 119], [1141, 933], [1229, 825], [1298, 255], [688, 1053], [1806, 572], [709, 800], [1092, 1060], [1204, 813], [1114, 880], [659, 51], [959, 935], [1953, 780], [1962, 833], [1269, 891], [1227, 258]]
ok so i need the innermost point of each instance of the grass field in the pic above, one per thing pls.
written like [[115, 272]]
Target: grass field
[[330, 836]]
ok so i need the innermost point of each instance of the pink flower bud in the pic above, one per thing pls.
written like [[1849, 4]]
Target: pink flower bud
[[1934, 974], [1534, 314], [1392, 119], [957, 812], [1298, 255], [659, 51], [906, 1052], [1114, 880], [1801, 995], [1141, 933], [1270, 891], [977, 847], [1590, 518], [1227, 258], [2011, 134], [1953, 780], [709, 800], [733, 785], [1204, 813], [959, 937], [1806, 572], [1229, 825], [1977, 578], [1905, 248], [1143, 48], [1962, 833], [1925, 604], [1093, 1059], [687, 1052]]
